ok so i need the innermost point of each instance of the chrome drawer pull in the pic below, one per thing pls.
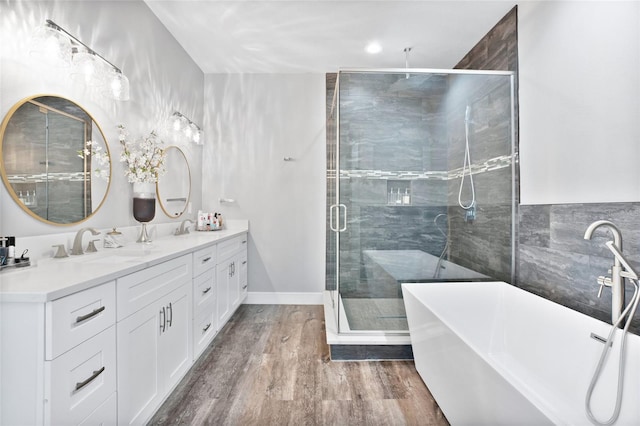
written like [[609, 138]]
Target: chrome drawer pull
[[244, 287], [95, 374], [170, 309], [244, 242], [205, 260], [204, 330], [90, 314], [244, 262], [207, 290]]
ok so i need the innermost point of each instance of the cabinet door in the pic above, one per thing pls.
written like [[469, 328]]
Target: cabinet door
[[139, 385], [223, 275], [244, 284], [175, 342], [234, 283]]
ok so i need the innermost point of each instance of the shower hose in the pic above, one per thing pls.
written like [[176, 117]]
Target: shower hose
[[466, 164], [627, 313]]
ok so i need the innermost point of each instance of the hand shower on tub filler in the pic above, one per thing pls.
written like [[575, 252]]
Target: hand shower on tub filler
[[470, 205], [620, 314]]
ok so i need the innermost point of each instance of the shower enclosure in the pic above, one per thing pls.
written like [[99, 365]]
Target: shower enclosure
[[420, 187]]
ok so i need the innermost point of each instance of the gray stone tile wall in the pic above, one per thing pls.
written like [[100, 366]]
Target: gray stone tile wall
[[557, 263]]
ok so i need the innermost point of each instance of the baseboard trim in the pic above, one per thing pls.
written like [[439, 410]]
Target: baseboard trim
[[269, 298]]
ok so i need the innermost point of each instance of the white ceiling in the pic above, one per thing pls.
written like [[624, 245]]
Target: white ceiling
[[289, 36]]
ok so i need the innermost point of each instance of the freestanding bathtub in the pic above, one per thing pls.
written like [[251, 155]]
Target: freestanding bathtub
[[491, 354]]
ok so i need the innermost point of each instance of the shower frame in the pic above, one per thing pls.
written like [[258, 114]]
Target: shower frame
[[335, 209]]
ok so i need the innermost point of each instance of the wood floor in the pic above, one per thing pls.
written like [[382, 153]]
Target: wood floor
[[270, 366]]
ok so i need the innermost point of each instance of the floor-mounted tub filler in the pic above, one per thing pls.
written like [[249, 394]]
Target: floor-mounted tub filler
[[491, 353]]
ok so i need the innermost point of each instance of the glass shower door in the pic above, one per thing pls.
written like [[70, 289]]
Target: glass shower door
[[400, 198]]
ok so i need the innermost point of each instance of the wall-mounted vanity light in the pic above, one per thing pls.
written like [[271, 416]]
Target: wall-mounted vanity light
[[56, 43], [185, 128]]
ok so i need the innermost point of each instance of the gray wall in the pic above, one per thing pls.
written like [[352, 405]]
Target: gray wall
[[162, 76], [255, 120], [398, 132]]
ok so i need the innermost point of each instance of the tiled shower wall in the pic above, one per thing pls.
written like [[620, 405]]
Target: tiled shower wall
[[383, 128], [552, 258]]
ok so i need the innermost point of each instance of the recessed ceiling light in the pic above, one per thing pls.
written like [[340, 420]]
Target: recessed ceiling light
[[373, 48]]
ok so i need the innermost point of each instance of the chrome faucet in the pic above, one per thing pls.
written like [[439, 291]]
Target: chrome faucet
[[77, 241], [184, 229], [619, 271]]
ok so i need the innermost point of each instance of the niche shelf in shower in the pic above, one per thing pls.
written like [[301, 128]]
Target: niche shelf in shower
[[399, 192]]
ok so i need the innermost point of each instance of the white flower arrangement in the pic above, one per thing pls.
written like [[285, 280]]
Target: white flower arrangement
[[144, 159], [101, 164]]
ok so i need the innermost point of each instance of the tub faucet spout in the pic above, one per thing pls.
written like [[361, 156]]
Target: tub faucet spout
[[618, 273]]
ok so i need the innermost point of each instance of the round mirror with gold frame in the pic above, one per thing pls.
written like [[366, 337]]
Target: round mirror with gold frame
[[55, 161], [174, 187]]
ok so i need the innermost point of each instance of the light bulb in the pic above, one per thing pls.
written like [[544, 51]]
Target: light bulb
[[51, 45], [119, 85], [197, 137]]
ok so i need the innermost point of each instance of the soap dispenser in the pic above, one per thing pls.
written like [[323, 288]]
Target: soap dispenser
[[406, 198]]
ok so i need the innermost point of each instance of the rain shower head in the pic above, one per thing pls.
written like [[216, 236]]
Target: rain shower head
[[415, 82]]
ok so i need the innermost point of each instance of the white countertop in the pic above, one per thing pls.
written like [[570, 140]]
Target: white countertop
[[52, 278]]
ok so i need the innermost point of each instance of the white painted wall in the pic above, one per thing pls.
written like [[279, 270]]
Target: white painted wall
[[254, 121], [579, 76], [162, 76]]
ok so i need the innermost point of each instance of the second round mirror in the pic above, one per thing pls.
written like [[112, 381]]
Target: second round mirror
[[174, 187]]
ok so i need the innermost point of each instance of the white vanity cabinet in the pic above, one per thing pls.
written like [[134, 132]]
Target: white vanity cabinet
[[154, 336], [105, 342], [229, 271], [58, 360], [205, 319]]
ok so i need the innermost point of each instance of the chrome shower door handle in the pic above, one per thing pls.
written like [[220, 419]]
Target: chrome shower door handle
[[344, 226], [331, 225]]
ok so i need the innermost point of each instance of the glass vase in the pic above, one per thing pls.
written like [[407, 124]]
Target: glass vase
[[144, 206]]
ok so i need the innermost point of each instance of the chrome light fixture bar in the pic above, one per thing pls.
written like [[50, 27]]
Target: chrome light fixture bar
[[88, 64], [183, 127]]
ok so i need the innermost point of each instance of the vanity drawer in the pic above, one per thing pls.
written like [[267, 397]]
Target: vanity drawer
[[137, 290], [204, 259], [204, 289], [81, 380], [204, 329], [73, 319], [244, 284], [232, 246], [106, 414]]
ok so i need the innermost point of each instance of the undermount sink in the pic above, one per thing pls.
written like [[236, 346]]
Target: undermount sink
[[118, 255]]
